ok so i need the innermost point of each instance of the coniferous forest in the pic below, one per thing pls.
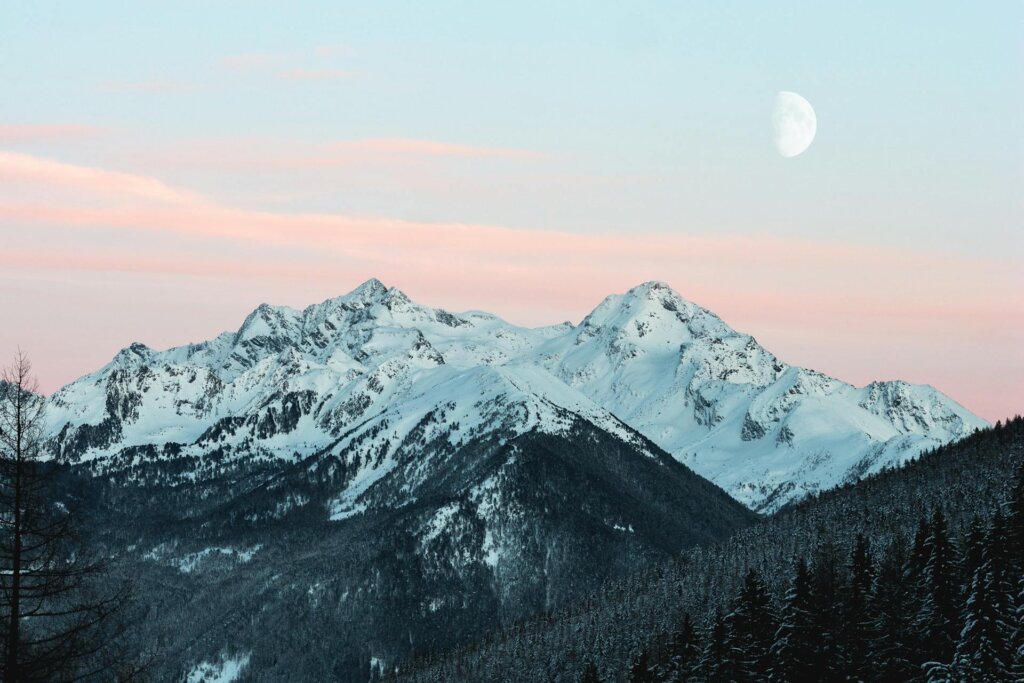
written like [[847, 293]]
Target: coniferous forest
[[915, 574]]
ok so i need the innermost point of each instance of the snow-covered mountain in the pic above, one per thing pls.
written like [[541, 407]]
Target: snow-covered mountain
[[387, 385]]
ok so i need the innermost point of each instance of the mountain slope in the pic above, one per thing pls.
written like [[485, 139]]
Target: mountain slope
[[968, 481], [369, 365], [492, 529]]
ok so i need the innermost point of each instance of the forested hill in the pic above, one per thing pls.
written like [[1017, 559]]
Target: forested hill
[[875, 579]]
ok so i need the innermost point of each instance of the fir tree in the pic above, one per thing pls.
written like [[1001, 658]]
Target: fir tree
[[715, 652], [751, 629], [982, 652], [589, 674], [936, 623], [890, 605], [640, 671], [825, 614], [682, 653], [858, 634], [795, 640]]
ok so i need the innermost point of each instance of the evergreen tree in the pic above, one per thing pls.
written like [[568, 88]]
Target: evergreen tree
[[682, 653], [936, 624], [890, 605], [858, 633], [982, 652], [716, 652], [974, 555], [1017, 636], [919, 552], [795, 642], [1015, 522], [751, 630], [826, 614], [589, 674], [640, 671]]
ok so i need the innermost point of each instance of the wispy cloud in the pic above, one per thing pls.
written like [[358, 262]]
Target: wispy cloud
[[26, 168], [13, 133], [856, 294]]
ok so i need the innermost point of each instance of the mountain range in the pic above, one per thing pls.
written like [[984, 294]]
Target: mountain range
[[391, 388], [331, 492]]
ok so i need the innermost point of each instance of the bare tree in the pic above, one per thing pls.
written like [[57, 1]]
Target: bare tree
[[58, 624]]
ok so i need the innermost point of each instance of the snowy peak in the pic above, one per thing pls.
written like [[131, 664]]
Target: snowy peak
[[648, 362]]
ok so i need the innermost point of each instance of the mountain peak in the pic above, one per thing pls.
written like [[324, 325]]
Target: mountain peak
[[368, 291]]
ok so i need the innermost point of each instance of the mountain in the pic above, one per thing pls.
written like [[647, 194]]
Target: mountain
[[374, 378], [975, 486]]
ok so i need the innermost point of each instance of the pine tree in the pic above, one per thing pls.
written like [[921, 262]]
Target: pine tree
[[794, 639], [891, 602], [1015, 522], [682, 653], [826, 614], [1017, 635], [640, 671], [589, 674], [982, 652], [751, 629], [715, 652], [1015, 574], [936, 623], [858, 634]]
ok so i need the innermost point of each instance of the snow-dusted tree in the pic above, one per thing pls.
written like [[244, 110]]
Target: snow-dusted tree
[[751, 627], [681, 653], [793, 652], [937, 622], [55, 626], [890, 605], [715, 655], [640, 671], [858, 632]]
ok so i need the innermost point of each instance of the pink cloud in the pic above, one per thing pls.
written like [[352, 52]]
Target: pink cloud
[[13, 133], [824, 301], [41, 171]]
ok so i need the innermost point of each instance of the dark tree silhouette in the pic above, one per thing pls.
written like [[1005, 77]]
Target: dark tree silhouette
[[794, 650], [57, 626], [857, 633], [590, 674], [716, 653], [937, 622], [752, 625], [682, 653], [890, 604]]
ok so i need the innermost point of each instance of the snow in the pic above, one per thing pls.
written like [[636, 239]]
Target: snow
[[225, 670], [374, 374], [193, 562]]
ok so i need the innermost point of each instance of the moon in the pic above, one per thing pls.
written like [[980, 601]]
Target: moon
[[793, 123]]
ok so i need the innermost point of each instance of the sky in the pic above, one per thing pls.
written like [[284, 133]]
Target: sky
[[166, 167]]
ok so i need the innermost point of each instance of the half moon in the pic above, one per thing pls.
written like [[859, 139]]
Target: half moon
[[793, 124]]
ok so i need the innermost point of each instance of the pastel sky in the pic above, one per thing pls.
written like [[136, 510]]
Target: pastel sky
[[166, 167]]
